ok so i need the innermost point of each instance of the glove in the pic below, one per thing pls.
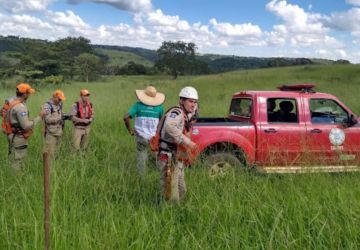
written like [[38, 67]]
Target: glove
[[66, 117]]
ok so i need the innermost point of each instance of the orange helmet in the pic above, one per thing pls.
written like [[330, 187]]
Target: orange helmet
[[25, 88], [84, 92], [60, 94]]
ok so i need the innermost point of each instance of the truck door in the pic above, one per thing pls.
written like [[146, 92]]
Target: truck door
[[329, 142], [281, 137]]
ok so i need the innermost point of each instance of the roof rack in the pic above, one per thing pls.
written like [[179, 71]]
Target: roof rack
[[304, 88]]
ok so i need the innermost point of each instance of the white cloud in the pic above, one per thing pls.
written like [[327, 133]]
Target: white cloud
[[167, 23], [68, 19], [300, 28], [215, 33], [26, 26], [354, 2], [298, 33], [236, 30], [296, 19], [128, 5], [227, 34], [54, 26], [341, 53], [334, 55], [321, 52], [22, 6], [276, 37], [347, 21], [104, 33]]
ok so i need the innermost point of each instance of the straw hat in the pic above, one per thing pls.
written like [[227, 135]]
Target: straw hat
[[150, 96]]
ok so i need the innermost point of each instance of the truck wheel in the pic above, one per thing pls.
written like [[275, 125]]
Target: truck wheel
[[222, 163]]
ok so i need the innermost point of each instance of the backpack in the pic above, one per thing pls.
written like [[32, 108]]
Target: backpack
[[155, 140], [52, 107], [5, 112], [182, 153]]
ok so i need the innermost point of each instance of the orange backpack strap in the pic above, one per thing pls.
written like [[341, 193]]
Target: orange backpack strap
[[14, 103]]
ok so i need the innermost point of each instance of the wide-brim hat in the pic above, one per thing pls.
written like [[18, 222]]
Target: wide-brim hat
[[150, 96]]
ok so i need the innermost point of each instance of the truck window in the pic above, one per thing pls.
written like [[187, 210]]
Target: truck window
[[327, 111], [282, 110], [241, 107]]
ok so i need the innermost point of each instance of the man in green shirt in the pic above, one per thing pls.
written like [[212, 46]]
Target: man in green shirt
[[147, 113]]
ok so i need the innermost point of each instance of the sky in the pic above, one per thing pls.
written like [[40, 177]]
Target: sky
[[262, 28]]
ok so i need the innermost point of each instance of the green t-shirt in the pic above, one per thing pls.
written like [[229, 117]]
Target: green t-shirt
[[146, 118]]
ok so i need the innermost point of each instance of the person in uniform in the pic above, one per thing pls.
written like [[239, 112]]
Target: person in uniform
[[82, 116], [174, 135], [21, 125], [54, 122], [147, 112]]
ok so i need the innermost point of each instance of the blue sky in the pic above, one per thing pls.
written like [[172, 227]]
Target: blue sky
[[292, 28]]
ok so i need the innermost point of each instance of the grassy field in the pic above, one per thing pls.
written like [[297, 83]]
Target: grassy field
[[99, 203]]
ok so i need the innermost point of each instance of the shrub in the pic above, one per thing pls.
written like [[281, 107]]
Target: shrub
[[54, 80]]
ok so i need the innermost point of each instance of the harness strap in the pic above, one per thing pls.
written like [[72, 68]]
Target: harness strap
[[52, 107]]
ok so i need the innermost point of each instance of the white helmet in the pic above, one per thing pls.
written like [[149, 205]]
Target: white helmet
[[189, 92]]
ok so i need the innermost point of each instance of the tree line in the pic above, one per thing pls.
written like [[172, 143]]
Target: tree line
[[74, 58], [50, 62]]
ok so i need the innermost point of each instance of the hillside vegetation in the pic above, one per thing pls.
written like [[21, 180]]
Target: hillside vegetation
[[43, 61], [98, 202], [121, 58]]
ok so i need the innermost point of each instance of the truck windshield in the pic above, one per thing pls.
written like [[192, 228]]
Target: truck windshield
[[241, 107], [327, 111]]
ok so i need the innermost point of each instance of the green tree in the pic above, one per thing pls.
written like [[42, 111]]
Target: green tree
[[278, 62], [131, 68], [30, 76], [342, 61], [176, 57], [88, 66], [67, 50]]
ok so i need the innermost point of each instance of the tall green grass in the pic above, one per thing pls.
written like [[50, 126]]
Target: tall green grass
[[98, 202]]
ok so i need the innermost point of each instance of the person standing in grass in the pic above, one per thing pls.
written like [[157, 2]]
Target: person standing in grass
[[54, 122], [19, 126], [174, 142], [82, 116], [147, 113]]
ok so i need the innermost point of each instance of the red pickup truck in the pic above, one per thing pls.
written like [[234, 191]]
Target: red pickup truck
[[294, 129]]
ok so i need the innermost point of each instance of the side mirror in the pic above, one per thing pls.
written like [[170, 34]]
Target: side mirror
[[351, 121]]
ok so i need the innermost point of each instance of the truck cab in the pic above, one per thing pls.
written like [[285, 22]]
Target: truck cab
[[293, 129]]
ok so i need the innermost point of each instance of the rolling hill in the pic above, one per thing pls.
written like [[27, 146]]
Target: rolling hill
[[120, 58], [121, 55]]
